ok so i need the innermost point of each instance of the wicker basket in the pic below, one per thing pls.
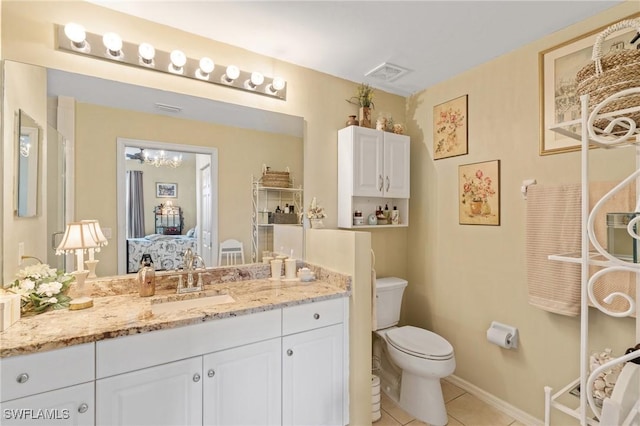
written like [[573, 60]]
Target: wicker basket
[[611, 73], [275, 179]]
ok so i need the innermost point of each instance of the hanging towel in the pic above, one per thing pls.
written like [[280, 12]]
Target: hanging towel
[[554, 227]]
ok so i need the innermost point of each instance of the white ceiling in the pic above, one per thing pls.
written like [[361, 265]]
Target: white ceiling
[[434, 40]]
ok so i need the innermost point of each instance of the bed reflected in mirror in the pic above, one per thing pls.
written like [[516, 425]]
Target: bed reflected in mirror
[[28, 151]]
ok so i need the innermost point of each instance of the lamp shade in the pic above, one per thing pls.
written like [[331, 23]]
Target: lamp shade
[[96, 232], [77, 236]]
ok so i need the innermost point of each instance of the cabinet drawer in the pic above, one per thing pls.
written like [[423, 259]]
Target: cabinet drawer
[[40, 372], [312, 315], [128, 353]]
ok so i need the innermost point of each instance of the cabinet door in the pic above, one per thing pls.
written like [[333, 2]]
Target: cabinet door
[[242, 386], [396, 165], [169, 394], [368, 175], [69, 406], [312, 377]]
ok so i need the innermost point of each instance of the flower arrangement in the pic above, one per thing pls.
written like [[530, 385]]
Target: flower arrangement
[[477, 187], [364, 96], [315, 211], [41, 288], [447, 125]]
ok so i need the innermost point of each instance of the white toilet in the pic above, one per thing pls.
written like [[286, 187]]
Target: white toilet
[[419, 356]]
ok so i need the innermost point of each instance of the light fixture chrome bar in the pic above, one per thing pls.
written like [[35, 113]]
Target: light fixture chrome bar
[[129, 55]]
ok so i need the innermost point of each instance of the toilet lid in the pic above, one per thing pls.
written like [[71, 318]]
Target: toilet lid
[[420, 342]]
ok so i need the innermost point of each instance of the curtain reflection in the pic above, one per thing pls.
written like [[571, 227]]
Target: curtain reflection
[[135, 204]]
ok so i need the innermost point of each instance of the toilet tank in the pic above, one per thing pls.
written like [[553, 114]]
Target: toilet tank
[[388, 301]]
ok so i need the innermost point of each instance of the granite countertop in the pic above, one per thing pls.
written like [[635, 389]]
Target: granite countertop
[[118, 310]]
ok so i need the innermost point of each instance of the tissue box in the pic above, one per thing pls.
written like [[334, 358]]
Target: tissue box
[[9, 310]]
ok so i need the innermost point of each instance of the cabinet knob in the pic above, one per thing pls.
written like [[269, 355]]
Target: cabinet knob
[[22, 378], [83, 408], [316, 316], [211, 373], [289, 352], [196, 377]]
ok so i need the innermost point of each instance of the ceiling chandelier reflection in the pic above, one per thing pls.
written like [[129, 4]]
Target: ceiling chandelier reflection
[[162, 159], [25, 146]]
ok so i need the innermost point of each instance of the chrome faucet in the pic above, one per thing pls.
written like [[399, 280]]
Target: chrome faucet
[[190, 261]]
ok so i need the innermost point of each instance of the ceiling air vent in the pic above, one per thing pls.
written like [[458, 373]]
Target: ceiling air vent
[[387, 72]]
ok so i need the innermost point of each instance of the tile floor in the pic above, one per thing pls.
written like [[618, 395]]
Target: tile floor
[[463, 409]]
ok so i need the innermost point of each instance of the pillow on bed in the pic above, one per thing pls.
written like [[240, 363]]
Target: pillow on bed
[[191, 233]]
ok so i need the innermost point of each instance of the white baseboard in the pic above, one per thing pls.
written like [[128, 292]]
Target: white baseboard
[[510, 410]]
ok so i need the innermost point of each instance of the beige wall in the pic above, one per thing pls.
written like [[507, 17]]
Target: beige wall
[[463, 277]]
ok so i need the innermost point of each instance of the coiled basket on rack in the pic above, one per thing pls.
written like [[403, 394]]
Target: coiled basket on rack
[[611, 73]]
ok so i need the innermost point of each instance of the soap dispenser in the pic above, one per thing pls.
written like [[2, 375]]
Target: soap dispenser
[[146, 277]]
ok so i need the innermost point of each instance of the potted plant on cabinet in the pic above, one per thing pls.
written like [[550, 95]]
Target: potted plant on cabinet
[[364, 99]]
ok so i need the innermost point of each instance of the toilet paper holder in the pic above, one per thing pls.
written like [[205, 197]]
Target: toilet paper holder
[[508, 335]]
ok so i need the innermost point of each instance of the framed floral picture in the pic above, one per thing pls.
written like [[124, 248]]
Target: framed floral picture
[[450, 128], [479, 193], [559, 102]]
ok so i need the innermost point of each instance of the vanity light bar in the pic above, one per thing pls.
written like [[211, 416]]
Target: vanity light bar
[[145, 56]]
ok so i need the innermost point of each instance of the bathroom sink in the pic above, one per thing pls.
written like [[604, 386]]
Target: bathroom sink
[[175, 303]]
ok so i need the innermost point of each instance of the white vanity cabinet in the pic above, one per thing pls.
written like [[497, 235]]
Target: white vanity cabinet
[[242, 386], [54, 387], [314, 364], [373, 170], [168, 394], [67, 406]]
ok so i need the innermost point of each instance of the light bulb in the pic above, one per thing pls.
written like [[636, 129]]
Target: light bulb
[[77, 35], [231, 74], [147, 52], [206, 68], [206, 65], [178, 59], [75, 32], [113, 43], [278, 83]]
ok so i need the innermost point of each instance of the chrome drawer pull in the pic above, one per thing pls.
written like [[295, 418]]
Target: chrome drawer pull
[[196, 377], [316, 316], [22, 378], [83, 408], [211, 373], [289, 352]]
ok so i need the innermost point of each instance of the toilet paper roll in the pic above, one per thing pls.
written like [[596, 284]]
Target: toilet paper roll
[[499, 337]]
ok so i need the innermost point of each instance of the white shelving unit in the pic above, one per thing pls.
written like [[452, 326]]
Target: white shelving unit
[[373, 171], [266, 199], [623, 408]]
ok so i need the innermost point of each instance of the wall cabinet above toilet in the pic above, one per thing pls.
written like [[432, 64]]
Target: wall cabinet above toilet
[[373, 170]]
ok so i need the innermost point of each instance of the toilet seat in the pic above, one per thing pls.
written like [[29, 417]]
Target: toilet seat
[[420, 343]]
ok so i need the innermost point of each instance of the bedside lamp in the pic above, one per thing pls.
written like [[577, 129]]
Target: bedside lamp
[[77, 238], [100, 239]]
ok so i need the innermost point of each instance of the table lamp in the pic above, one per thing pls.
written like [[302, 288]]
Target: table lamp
[[100, 239], [76, 239]]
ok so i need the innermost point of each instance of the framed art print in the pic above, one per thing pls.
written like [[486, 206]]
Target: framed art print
[[479, 193], [559, 102], [166, 190], [450, 128]]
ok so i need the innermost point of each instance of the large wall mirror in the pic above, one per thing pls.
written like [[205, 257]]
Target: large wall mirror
[[105, 111], [28, 139]]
